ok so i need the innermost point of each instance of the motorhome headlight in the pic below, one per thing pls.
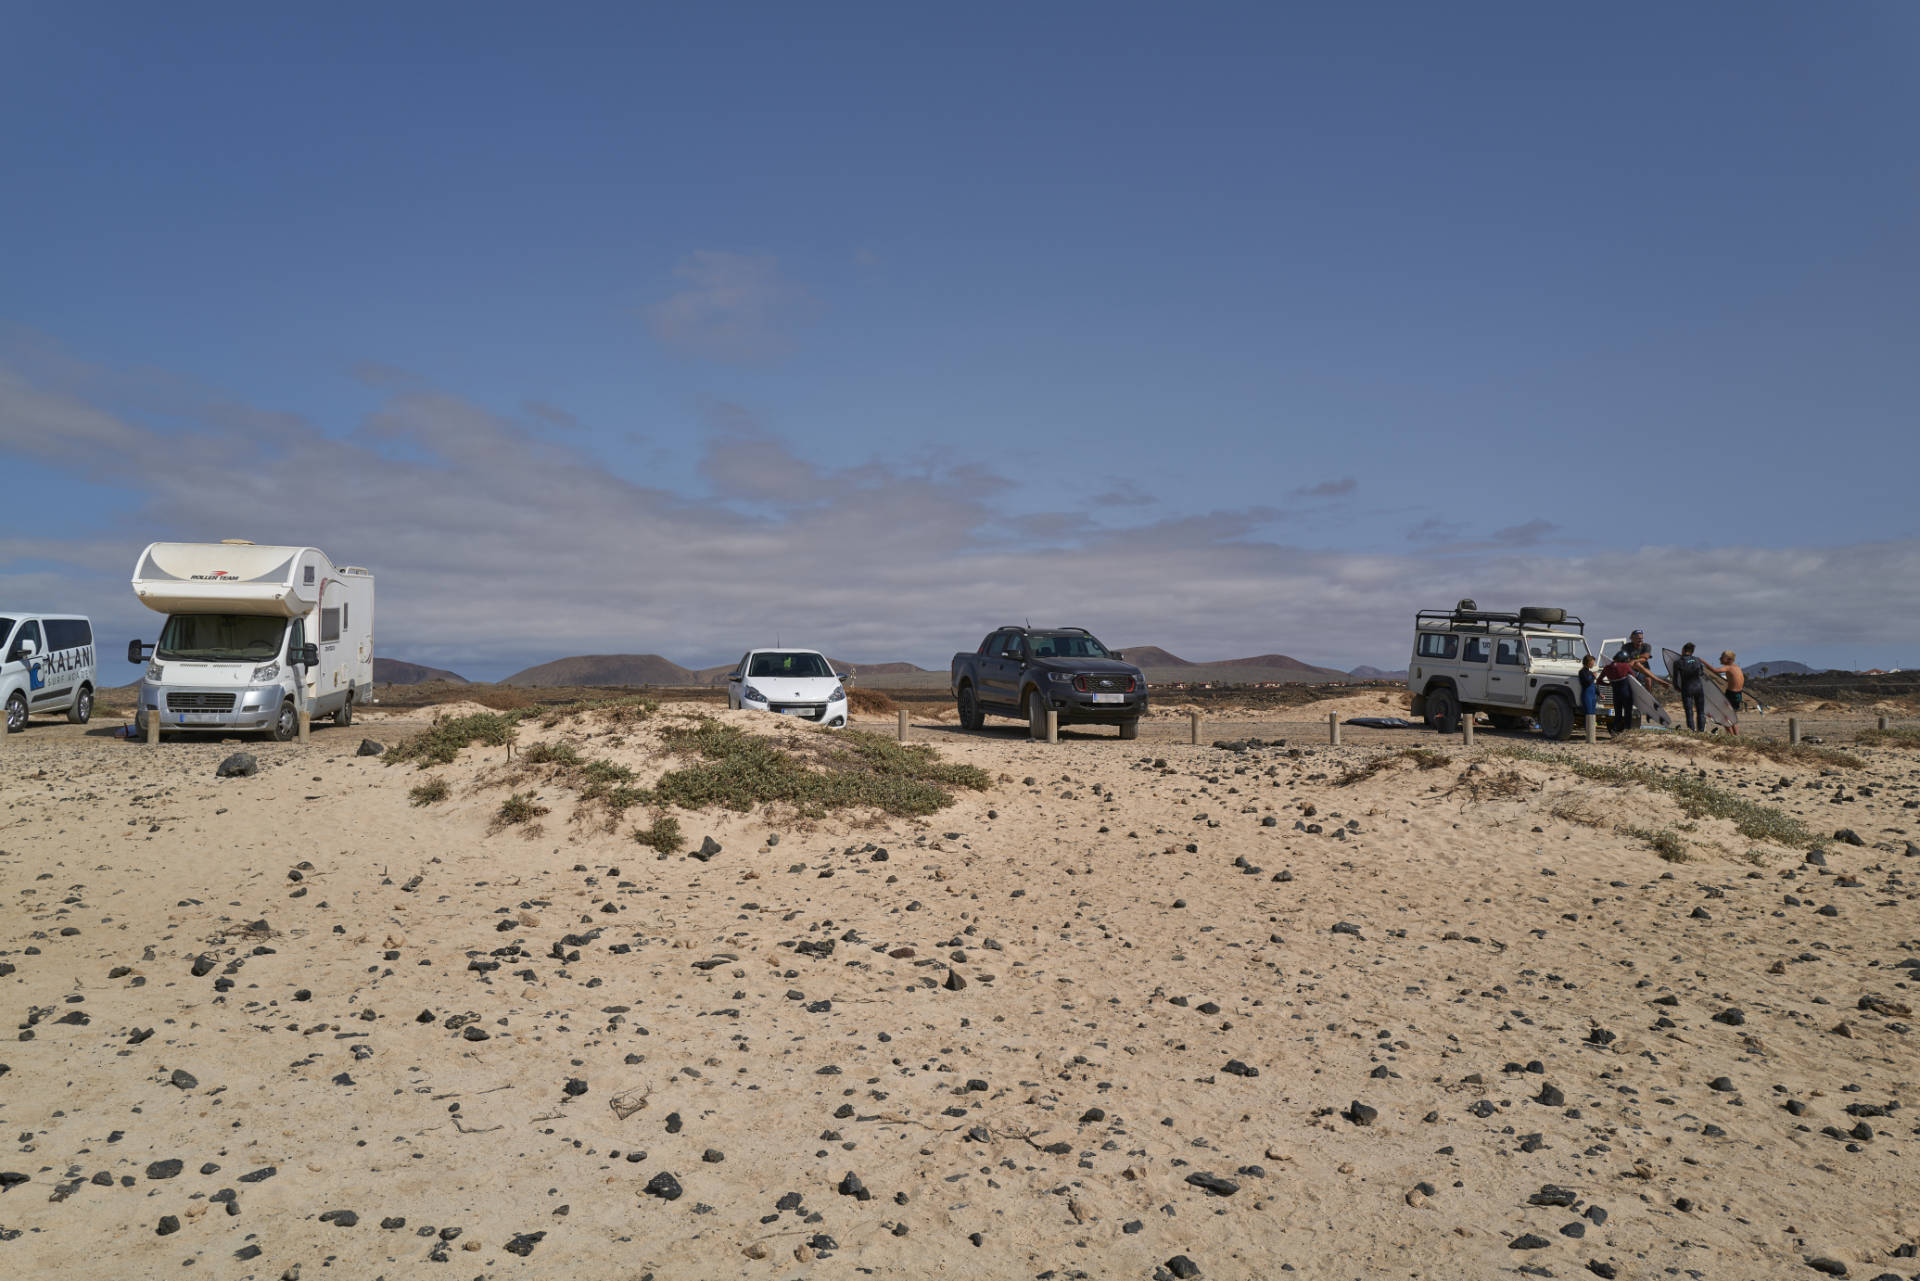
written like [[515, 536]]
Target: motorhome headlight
[[839, 695], [753, 695], [154, 672], [266, 672]]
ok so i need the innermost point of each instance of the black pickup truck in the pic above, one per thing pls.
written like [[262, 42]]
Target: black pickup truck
[[1028, 671]]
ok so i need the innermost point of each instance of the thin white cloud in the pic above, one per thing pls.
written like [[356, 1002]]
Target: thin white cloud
[[1330, 488], [730, 307], [498, 544]]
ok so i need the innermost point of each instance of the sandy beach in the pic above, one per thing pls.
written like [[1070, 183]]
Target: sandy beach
[[1133, 1010]]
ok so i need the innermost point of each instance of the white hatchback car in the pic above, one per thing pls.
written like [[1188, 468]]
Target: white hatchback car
[[791, 682]]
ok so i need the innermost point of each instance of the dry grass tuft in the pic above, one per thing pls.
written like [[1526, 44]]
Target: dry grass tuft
[[1666, 842], [1696, 797], [1423, 758], [1900, 736], [431, 792], [517, 810], [870, 702], [1732, 747]]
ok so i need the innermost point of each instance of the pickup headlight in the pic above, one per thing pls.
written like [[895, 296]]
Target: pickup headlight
[[839, 695], [751, 693], [266, 672], [154, 672], [1064, 678]]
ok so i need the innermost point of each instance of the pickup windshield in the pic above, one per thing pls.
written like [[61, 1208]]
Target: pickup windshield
[[801, 665], [1074, 645], [220, 638]]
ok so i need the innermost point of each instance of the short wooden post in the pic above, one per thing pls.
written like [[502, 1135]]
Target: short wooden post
[[153, 728], [1053, 725], [1593, 728], [1880, 723], [306, 724], [1196, 727], [1793, 729], [1466, 728], [1333, 728], [903, 724]]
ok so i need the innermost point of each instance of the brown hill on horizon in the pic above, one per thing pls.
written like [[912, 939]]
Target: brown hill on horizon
[[606, 669], [1145, 656], [395, 671]]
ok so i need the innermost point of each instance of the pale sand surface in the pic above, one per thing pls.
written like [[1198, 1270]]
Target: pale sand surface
[[1495, 924]]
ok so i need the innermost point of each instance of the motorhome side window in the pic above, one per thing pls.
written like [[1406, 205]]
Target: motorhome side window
[[329, 625], [1434, 645], [296, 639], [309, 578]]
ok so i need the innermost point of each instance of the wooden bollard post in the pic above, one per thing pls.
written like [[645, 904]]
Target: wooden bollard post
[[903, 724], [1196, 728], [1333, 728], [1880, 723], [1053, 725], [153, 728], [1793, 729], [1466, 728], [1593, 728], [306, 728]]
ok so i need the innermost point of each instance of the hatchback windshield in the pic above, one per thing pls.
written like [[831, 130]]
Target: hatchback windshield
[[803, 664], [215, 638], [1068, 646]]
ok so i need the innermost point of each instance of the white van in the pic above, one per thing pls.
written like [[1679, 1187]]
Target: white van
[[254, 635], [46, 665]]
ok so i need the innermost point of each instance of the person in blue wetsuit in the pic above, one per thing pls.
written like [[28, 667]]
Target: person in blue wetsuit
[[1589, 688], [1690, 678]]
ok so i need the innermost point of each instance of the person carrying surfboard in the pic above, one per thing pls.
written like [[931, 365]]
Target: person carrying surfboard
[[1736, 678], [1619, 673], [1690, 676]]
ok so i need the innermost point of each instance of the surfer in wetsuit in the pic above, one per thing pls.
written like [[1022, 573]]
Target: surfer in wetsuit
[[1736, 677], [1619, 674], [1690, 675]]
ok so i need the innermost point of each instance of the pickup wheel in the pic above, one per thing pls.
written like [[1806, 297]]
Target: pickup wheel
[[971, 717], [1555, 716], [1130, 729], [1443, 711], [1036, 715]]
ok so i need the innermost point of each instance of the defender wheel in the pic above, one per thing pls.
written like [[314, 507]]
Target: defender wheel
[[286, 726], [1555, 717], [1443, 711], [1130, 729], [1036, 715], [82, 710], [16, 713], [971, 717], [344, 716]]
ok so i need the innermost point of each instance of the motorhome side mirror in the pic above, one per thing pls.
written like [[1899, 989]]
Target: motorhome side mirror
[[136, 652], [310, 655]]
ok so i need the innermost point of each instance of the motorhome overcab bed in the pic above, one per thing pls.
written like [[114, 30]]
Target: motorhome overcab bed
[[254, 635]]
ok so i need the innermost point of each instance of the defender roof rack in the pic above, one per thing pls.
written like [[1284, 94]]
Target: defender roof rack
[[1480, 620]]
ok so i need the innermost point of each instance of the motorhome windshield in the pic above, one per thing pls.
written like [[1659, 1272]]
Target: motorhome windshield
[[220, 638]]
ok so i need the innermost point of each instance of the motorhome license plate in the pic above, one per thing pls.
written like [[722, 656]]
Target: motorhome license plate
[[198, 718], [1109, 698]]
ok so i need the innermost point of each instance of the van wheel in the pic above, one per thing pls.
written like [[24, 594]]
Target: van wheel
[[344, 716], [1130, 729], [82, 710], [1443, 711], [1555, 717], [1036, 715], [16, 712], [971, 717], [286, 726]]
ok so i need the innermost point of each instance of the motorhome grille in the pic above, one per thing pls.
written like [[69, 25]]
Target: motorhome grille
[[191, 701]]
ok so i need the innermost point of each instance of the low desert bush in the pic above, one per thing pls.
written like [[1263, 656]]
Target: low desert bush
[[1422, 758], [834, 770], [431, 792], [446, 738], [1900, 736], [521, 807], [663, 835], [1696, 797], [1733, 747], [546, 753], [870, 702], [1666, 842]]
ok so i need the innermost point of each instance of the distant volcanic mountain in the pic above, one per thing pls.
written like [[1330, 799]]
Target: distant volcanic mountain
[[394, 671]]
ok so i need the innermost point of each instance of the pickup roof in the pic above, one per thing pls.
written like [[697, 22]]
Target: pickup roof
[[1028, 671]]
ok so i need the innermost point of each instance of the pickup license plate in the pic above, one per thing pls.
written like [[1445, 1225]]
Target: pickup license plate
[[1109, 698]]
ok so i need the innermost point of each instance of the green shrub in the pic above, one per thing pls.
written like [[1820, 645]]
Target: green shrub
[[1899, 736], [431, 792], [738, 771], [1696, 797], [521, 807], [445, 739], [663, 835], [1665, 842], [551, 754]]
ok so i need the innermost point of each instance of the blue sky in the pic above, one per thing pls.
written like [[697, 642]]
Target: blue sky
[[1229, 328]]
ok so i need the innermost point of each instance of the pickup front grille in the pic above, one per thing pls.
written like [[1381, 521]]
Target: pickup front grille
[[1104, 684], [195, 701]]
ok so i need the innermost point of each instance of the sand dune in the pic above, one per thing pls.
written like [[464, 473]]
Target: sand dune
[[1355, 1011]]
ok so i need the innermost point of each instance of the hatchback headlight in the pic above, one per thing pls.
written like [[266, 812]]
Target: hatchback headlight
[[154, 672], [839, 695], [266, 672], [751, 693]]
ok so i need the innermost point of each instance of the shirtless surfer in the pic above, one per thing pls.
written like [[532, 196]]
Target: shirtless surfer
[[1736, 678]]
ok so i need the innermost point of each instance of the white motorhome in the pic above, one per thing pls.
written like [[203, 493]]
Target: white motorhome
[[253, 636]]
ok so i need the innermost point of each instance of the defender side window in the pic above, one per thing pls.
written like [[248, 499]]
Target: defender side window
[[1438, 645], [1476, 651], [1508, 652]]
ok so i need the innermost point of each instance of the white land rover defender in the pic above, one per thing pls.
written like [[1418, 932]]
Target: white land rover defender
[[1514, 667]]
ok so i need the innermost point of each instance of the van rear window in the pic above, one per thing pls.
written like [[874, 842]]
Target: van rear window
[[1437, 645]]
